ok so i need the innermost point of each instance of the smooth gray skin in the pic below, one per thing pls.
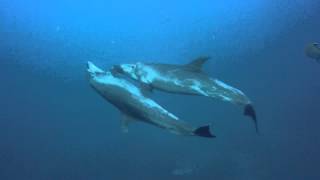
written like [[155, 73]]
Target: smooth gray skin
[[133, 104], [312, 50], [182, 79], [186, 79]]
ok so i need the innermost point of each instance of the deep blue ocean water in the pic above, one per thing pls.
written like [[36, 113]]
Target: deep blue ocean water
[[53, 126]]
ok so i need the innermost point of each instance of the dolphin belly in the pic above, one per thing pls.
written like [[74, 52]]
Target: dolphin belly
[[146, 110], [156, 115]]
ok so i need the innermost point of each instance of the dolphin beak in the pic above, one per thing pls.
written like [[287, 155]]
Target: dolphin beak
[[93, 69], [249, 111]]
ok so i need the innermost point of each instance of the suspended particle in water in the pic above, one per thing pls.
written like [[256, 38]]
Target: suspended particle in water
[[58, 28], [213, 37]]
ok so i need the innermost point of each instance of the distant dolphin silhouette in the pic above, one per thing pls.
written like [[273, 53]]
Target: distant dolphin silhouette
[[186, 79], [135, 106], [312, 50]]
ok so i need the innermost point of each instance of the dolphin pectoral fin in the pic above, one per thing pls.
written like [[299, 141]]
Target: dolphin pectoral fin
[[124, 126], [204, 131], [146, 89], [125, 123], [196, 64], [249, 111]]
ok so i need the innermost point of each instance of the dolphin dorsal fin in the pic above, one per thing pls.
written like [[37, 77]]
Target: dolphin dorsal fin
[[196, 64]]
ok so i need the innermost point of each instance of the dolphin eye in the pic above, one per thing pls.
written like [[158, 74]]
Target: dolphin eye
[[131, 68]]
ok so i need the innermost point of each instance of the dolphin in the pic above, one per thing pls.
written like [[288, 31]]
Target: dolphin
[[312, 50], [186, 79], [130, 100]]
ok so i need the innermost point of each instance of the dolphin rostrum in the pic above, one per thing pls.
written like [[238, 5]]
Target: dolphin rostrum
[[186, 79], [134, 105]]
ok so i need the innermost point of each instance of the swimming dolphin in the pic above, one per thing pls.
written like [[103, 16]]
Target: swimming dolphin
[[312, 50], [135, 106], [186, 79]]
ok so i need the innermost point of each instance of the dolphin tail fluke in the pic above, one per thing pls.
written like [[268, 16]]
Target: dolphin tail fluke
[[204, 131], [249, 111]]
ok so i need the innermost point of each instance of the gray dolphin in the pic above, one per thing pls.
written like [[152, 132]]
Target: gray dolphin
[[312, 50], [135, 106], [186, 79]]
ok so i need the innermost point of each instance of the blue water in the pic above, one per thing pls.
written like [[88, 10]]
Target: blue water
[[54, 126]]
